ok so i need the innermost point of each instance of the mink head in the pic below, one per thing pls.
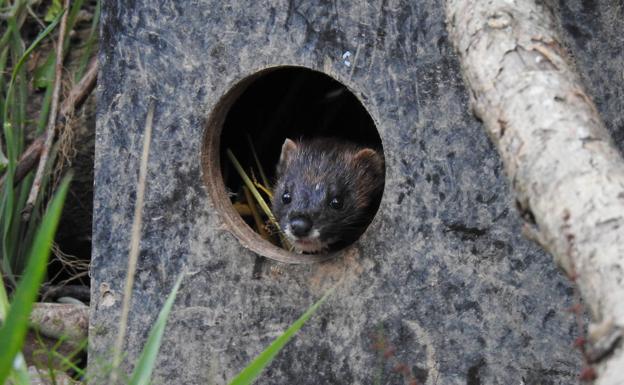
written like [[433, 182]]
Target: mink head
[[326, 192]]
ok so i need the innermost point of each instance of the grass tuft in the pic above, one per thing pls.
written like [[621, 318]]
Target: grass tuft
[[15, 325]]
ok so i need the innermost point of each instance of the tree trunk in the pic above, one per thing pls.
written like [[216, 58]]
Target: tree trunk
[[566, 172]]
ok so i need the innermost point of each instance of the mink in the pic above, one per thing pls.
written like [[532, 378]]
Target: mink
[[326, 192]]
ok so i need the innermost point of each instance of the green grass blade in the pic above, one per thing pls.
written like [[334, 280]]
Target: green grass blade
[[7, 207], [253, 370], [4, 57], [91, 40], [4, 300], [143, 371], [14, 14], [26, 54], [15, 326], [18, 101], [19, 375]]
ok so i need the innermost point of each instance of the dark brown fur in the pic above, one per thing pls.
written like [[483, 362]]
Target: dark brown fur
[[313, 174]]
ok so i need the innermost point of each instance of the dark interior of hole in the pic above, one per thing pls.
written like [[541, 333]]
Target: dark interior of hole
[[291, 103]]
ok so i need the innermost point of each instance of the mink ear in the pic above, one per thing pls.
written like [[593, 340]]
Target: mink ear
[[371, 160], [288, 149]]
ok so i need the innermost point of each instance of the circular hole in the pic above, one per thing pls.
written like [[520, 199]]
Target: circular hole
[[258, 115]]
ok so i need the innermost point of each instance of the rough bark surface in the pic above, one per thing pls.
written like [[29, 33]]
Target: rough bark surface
[[567, 172], [442, 273]]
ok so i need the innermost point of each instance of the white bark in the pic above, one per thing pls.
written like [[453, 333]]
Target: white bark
[[566, 172]]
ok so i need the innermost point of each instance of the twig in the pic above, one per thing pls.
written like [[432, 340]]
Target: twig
[[133, 255], [49, 134]]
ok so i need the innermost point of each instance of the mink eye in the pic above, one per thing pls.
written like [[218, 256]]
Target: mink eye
[[286, 198], [335, 203]]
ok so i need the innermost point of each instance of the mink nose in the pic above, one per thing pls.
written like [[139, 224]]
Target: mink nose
[[300, 226]]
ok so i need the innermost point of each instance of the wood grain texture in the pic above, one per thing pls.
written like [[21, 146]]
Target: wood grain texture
[[566, 171]]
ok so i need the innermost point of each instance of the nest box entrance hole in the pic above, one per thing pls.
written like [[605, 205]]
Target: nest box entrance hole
[[252, 121]]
